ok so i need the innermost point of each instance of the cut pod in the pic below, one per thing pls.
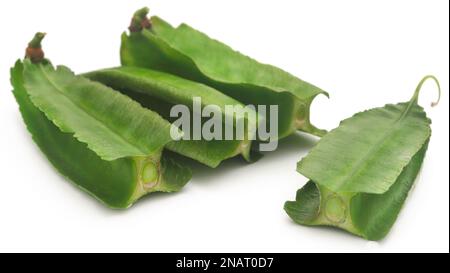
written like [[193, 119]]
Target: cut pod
[[93, 135], [361, 172], [184, 51], [161, 91]]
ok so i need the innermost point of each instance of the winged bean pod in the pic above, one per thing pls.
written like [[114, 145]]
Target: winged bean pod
[[184, 51], [83, 129], [160, 91], [361, 172]]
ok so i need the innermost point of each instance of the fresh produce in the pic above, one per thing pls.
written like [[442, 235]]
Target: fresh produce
[[361, 172], [161, 91], [103, 141], [183, 51]]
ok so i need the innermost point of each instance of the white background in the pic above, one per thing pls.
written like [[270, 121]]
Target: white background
[[364, 53]]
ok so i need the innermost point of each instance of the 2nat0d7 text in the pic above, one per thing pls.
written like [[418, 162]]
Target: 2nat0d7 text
[[233, 262]]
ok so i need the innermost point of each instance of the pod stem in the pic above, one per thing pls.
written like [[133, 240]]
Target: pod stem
[[37, 39], [34, 50], [415, 97], [140, 20]]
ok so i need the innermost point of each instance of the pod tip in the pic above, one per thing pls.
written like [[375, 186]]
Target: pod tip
[[419, 87]]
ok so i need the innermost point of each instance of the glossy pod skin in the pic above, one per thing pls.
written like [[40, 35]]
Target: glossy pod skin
[[69, 121], [160, 91], [184, 51], [361, 172]]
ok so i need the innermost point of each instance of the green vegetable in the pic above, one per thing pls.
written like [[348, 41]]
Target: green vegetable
[[160, 91], [94, 135], [189, 53], [361, 172]]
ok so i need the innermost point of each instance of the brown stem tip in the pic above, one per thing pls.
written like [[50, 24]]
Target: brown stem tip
[[140, 20], [34, 50]]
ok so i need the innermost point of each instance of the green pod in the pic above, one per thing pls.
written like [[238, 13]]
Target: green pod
[[95, 136], [191, 54], [160, 91], [361, 172]]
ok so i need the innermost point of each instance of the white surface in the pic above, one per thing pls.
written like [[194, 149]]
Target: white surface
[[365, 53]]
